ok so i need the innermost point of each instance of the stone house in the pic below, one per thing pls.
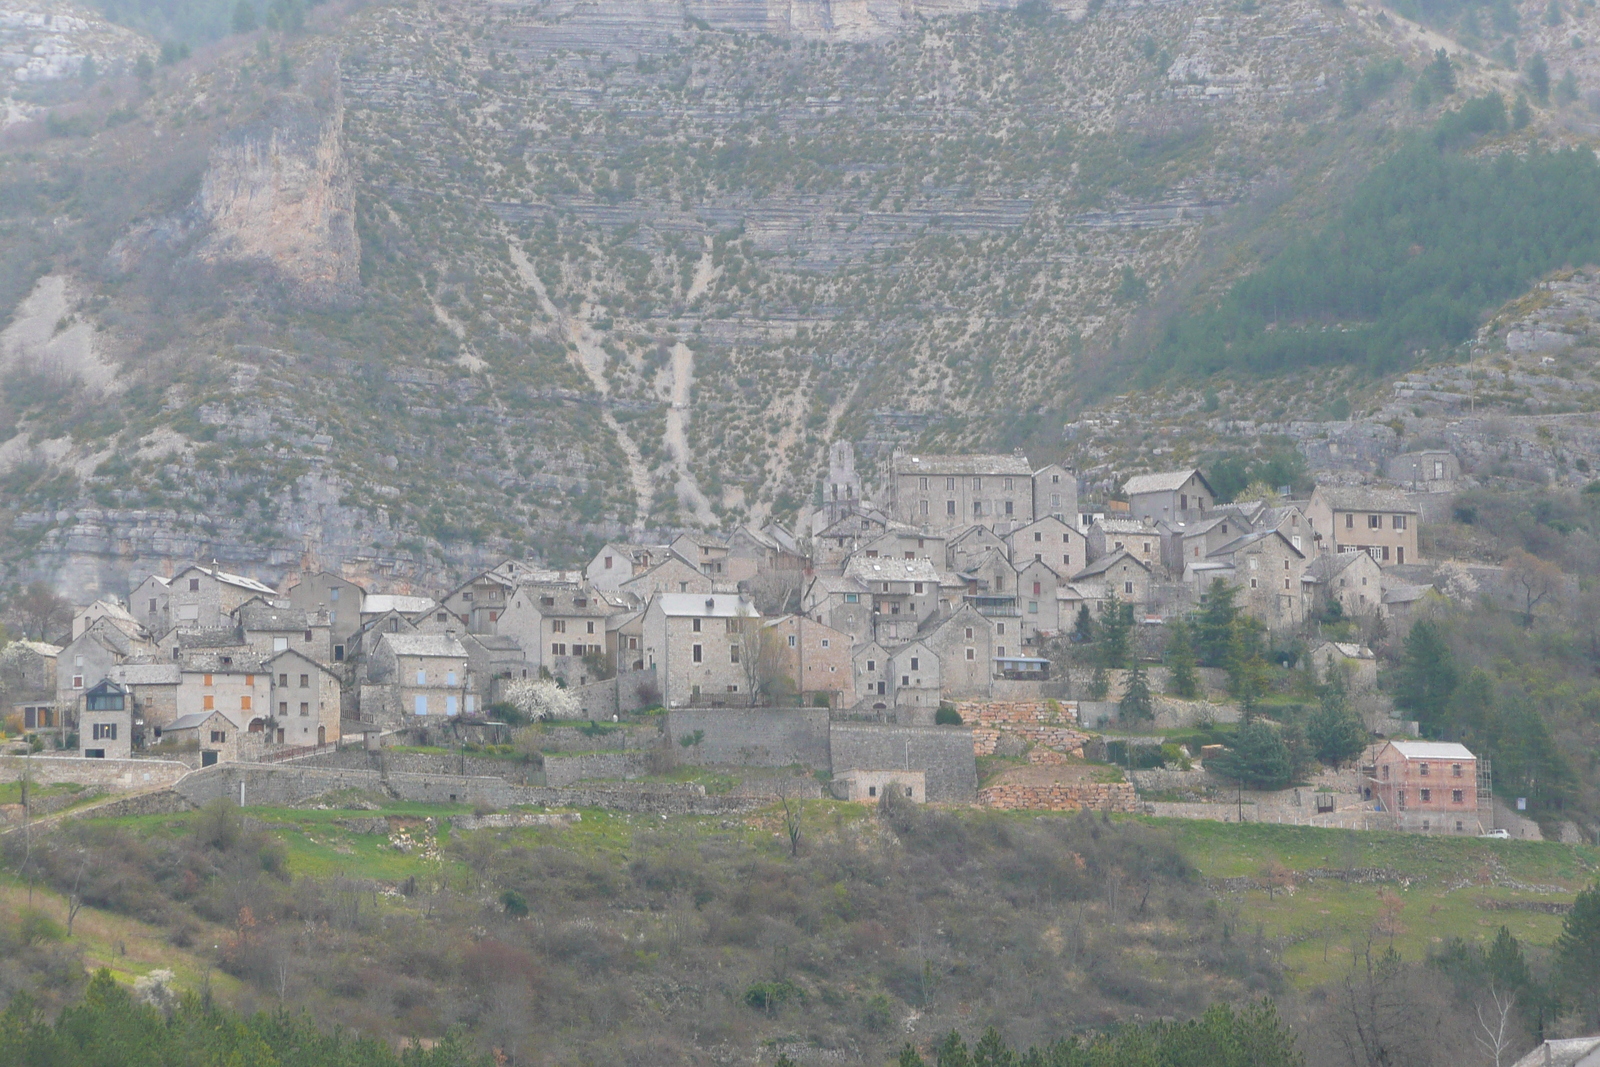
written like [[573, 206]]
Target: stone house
[[1355, 663], [696, 643], [1265, 568], [625, 638], [1036, 601], [704, 552], [415, 608], [1190, 542], [815, 657], [153, 690], [219, 738], [915, 680], [1050, 540], [1564, 1052], [242, 692], [671, 575], [1289, 520], [965, 645], [867, 787], [115, 613], [944, 492], [28, 682], [1381, 522], [1431, 471], [427, 671], [841, 602], [268, 628], [752, 552], [992, 586], [105, 726], [1171, 496], [492, 660], [87, 659], [904, 542], [1425, 786], [904, 592], [619, 561], [304, 699], [1111, 535], [1055, 493], [871, 665], [1120, 574], [207, 649], [835, 543], [149, 603], [205, 598], [967, 546], [339, 597], [557, 626], [481, 600], [1353, 579]]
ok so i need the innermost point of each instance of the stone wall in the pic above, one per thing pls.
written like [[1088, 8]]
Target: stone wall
[[516, 820], [159, 802], [944, 753], [753, 737], [287, 785], [1052, 724], [112, 775], [640, 799], [356, 758], [565, 770], [1061, 796]]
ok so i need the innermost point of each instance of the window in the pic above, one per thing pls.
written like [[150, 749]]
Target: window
[[1000, 628], [591, 627], [633, 642], [827, 642], [1423, 770], [950, 508], [450, 678], [969, 633], [1066, 560], [219, 737], [559, 626], [733, 688], [338, 653], [872, 665], [977, 508], [194, 585], [547, 602], [694, 625], [421, 705], [1385, 770], [77, 680], [1033, 607], [105, 731], [977, 484], [608, 563], [1037, 588], [905, 679], [1037, 536], [305, 681], [283, 709], [916, 587], [914, 663], [972, 654], [1427, 795], [305, 709], [1374, 522], [1008, 484], [698, 654], [308, 635], [852, 598], [1349, 520], [1252, 583], [1127, 587], [1055, 500], [1455, 770], [1183, 501], [422, 676], [208, 702], [279, 644], [1457, 796], [733, 654], [558, 648], [1008, 507], [1398, 522], [333, 595], [440, 617], [1254, 562], [922, 506], [1000, 651], [922, 483], [244, 703]]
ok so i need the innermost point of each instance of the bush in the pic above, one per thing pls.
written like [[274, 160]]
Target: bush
[[947, 715], [770, 996]]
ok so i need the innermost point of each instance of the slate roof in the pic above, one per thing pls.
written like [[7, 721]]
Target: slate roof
[[1161, 482], [705, 605], [255, 614], [378, 603], [974, 464], [424, 645], [1105, 563], [888, 569], [1365, 498]]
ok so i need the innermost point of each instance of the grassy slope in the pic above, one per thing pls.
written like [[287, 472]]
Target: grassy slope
[[1442, 887]]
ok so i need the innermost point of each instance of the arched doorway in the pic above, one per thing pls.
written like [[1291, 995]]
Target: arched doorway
[[322, 736]]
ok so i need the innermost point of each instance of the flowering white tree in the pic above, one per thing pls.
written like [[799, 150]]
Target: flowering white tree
[[541, 698]]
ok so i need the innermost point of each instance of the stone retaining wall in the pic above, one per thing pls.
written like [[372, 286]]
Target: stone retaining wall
[[158, 802], [565, 770], [1052, 724], [1061, 796], [514, 820], [112, 775]]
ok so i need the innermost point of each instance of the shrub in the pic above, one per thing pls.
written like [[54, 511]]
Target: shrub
[[947, 715]]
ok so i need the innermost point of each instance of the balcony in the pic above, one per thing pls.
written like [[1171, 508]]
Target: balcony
[[994, 606]]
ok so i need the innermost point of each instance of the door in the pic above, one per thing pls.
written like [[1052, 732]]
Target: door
[[322, 736], [208, 759]]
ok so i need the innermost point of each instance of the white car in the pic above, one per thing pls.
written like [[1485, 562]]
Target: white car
[[1498, 834]]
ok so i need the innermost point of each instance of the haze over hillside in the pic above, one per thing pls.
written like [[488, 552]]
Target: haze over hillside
[[431, 283]]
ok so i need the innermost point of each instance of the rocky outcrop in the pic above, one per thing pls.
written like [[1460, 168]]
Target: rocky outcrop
[[279, 194]]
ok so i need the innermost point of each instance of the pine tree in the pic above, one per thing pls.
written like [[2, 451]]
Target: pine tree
[[1441, 75], [1336, 733], [1136, 705], [1538, 73], [1214, 627], [1428, 675], [1578, 955], [1180, 659]]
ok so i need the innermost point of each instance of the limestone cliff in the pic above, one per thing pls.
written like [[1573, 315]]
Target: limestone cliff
[[279, 193]]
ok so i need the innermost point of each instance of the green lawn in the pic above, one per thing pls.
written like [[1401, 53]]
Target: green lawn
[[1445, 887]]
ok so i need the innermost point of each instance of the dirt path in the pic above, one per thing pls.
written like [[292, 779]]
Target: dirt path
[[591, 359], [680, 392]]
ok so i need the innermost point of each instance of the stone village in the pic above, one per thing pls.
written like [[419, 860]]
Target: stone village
[[905, 633]]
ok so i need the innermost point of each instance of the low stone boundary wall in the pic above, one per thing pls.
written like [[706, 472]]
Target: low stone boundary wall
[[565, 770], [1061, 796], [654, 800], [514, 820], [159, 802], [112, 775]]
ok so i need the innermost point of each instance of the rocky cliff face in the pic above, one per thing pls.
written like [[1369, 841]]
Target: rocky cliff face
[[279, 194]]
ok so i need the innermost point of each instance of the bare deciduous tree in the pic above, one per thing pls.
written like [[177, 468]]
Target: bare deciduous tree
[[1495, 1032]]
